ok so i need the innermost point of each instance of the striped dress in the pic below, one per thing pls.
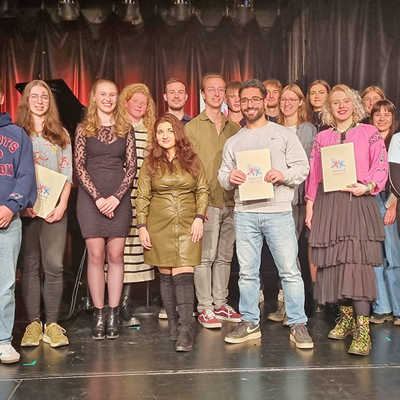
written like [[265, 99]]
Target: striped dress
[[135, 268]]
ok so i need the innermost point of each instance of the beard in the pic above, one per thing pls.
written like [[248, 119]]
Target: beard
[[176, 108], [254, 117]]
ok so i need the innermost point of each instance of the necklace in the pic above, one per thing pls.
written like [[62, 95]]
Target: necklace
[[343, 132]]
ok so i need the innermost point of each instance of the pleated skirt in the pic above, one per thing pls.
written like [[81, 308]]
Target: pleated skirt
[[346, 239]]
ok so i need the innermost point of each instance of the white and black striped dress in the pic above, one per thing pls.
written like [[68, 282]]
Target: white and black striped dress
[[135, 270]]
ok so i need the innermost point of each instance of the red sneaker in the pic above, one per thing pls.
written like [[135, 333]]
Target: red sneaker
[[227, 313], [208, 319]]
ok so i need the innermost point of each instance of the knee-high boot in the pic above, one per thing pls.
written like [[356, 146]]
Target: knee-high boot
[[167, 290], [184, 291], [127, 318]]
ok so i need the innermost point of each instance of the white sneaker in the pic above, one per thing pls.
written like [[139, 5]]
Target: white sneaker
[[8, 355]]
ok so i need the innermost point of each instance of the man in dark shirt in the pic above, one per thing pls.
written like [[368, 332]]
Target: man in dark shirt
[[176, 96]]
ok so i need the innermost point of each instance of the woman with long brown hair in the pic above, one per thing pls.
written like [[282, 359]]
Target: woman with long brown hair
[[170, 207], [105, 159], [317, 95], [44, 239]]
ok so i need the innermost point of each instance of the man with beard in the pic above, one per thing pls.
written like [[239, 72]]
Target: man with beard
[[270, 218], [208, 133], [176, 96], [274, 88], [233, 103]]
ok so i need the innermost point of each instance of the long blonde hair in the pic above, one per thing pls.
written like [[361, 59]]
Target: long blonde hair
[[149, 117], [91, 123], [358, 113], [53, 131], [302, 115]]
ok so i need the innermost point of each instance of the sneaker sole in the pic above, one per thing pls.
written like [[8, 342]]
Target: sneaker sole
[[221, 318], [162, 316], [380, 321], [275, 319], [112, 337], [214, 325], [47, 340], [331, 336], [358, 353], [183, 348], [301, 345], [10, 361], [251, 336]]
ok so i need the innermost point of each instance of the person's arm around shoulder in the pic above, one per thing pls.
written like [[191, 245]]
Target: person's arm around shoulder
[[24, 192], [201, 195], [143, 199]]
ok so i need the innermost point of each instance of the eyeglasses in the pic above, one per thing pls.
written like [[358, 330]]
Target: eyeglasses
[[289, 100], [44, 98], [254, 100]]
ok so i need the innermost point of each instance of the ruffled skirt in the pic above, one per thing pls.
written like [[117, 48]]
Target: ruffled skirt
[[346, 237]]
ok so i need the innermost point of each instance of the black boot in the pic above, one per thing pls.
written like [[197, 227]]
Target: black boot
[[112, 329], [184, 291], [167, 291], [127, 318], [98, 324]]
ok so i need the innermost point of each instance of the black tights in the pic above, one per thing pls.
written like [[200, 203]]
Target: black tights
[[361, 307]]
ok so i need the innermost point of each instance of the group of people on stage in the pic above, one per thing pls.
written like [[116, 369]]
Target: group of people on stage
[[164, 193]]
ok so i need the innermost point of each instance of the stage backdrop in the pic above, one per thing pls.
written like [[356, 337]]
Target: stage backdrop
[[355, 42]]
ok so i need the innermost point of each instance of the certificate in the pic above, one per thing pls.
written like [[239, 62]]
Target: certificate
[[49, 187], [255, 164], [338, 166]]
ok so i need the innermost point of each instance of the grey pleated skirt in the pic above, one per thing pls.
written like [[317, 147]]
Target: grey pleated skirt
[[346, 237]]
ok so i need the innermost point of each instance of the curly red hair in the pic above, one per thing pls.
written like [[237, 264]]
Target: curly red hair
[[184, 152]]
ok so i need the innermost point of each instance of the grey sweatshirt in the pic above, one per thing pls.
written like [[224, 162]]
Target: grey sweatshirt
[[287, 156]]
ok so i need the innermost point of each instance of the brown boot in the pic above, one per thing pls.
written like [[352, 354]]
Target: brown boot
[[346, 324], [361, 344], [184, 291]]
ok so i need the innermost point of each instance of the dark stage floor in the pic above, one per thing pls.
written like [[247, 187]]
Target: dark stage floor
[[142, 364]]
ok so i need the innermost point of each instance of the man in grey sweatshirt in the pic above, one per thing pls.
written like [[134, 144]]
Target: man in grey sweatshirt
[[269, 218]]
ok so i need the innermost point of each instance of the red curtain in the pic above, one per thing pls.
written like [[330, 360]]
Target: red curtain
[[79, 53]]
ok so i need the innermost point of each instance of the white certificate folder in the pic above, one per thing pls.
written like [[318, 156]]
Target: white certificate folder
[[255, 164], [338, 166], [49, 187]]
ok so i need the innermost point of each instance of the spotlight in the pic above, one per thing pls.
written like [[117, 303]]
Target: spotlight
[[210, 18], [243, 11], [129, 11], [68, 10], [96, 14], [8, 9], [180, 11]]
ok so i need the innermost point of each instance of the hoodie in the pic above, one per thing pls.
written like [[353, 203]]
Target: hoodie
[[17, 173]]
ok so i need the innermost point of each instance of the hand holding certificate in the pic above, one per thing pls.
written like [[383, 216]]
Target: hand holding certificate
[[49, 186], [338, 167], [255, 164]]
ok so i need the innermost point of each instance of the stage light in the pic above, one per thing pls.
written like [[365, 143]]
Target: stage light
[[68, 10], [96, 14], [8, 9], [129, 11], [210, 18], [179, 11], [243, 11]]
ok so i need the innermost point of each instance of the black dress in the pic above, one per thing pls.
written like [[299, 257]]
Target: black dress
[[105, 165]]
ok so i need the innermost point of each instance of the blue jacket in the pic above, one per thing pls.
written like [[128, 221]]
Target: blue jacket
[[17, 172]]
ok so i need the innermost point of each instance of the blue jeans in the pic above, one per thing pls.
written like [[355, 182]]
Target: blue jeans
[[279, 231], [10, 243], [388, 274]]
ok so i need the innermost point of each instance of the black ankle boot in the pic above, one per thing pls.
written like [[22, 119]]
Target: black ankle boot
[[127, 318], [184, 291], [167, 291], [98, 324], [112, 329]]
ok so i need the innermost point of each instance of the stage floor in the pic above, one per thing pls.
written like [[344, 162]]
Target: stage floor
[[142, 364]]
